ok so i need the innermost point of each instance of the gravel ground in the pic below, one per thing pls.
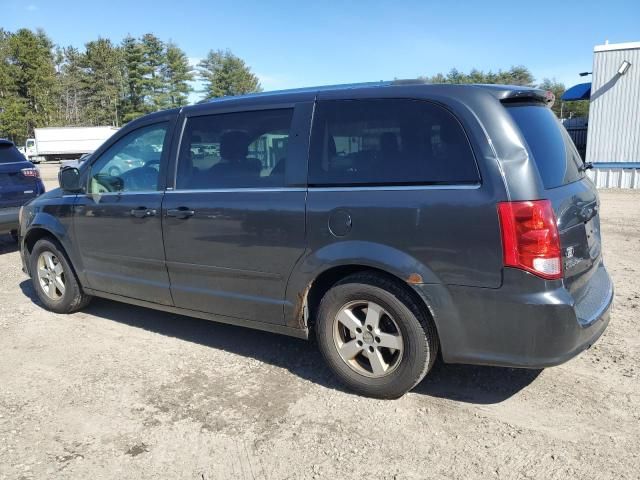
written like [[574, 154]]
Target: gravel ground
[[123, 392]]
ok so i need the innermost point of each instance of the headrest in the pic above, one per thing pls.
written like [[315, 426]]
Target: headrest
[[234, 144], [389, 143]]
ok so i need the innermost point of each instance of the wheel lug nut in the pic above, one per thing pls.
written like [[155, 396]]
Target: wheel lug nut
[[369, 327], [359, 330], [378, 339], [371, 349], [359, 342]]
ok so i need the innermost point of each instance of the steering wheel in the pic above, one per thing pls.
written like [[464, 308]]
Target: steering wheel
[[151, 163], [141, 178]]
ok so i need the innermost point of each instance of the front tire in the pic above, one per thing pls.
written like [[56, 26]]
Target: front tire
[[375, 336], [53, 278]]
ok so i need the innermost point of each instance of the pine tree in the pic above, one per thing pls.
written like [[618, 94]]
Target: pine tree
[[27, 83], [176, 75], [153, 60], [10, 102], [103, 82], [133, 74], [225, 74], [72, 81]]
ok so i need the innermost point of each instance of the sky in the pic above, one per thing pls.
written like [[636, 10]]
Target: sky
[[290, 44]]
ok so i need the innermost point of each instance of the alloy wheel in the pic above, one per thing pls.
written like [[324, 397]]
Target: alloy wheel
[[368, 339], [51, 275]]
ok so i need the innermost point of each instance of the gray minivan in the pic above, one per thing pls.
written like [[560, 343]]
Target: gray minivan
[[392, 221]]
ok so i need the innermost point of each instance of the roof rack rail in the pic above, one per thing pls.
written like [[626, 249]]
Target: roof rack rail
[[410, 81], [320, 88]]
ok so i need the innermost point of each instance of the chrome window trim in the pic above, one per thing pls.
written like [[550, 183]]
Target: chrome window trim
[[452, 186], [238, 189], [111, 194], [293, 189]]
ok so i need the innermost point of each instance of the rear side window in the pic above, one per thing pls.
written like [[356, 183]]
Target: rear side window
[[555, 155], [9, 154], [388, 142]]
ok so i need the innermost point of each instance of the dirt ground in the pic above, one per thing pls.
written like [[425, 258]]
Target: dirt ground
[[123, 392]]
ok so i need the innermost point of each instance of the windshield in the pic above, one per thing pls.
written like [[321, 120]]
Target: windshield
[[552, 149]]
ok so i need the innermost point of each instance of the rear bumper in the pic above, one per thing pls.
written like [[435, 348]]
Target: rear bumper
[[9, 219], [519, 325]]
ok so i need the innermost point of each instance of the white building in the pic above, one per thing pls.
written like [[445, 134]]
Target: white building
[[613, 137]]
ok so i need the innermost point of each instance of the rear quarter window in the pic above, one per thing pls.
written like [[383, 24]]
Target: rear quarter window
[[552, 149], [10, 154], [388, 142]]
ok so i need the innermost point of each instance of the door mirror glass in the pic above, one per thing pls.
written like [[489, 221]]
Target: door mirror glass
[[69, 179]]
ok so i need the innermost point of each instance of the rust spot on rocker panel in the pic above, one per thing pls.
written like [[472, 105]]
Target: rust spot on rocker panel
[[299, 313]]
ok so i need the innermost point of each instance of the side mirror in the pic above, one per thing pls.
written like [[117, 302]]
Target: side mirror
[[69, 179]]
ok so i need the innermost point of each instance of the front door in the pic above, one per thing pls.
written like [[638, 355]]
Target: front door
[[234, 226], [117, 222]]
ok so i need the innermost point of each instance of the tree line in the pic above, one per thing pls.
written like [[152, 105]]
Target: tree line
[[105, 83], [516, 75]]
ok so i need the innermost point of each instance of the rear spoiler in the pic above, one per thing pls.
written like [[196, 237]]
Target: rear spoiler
[[530, 96], [519, 94]]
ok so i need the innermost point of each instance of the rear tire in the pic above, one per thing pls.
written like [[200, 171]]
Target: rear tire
[[375, 336], [53, 278]]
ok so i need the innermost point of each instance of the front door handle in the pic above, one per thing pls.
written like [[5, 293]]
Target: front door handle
[[142, 212], [180, 212]]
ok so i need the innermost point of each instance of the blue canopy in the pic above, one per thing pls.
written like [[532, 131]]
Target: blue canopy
[[582, 91]]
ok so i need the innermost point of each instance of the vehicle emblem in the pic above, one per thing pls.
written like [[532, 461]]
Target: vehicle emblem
[[570, 252]]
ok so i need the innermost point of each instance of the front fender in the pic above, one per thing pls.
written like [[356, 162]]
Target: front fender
[[56, 221], [350, 253], [46, 221]]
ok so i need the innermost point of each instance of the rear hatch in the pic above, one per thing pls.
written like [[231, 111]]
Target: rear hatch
[[19, 180], [574, 197]]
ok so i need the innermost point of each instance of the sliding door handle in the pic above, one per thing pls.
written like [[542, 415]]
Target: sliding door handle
[[142, 212], [180, 212]]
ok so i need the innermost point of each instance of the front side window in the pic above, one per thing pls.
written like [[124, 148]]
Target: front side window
[[388, 142], [132, 164], [234, 150]]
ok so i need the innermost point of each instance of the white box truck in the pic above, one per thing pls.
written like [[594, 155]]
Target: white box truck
[[65, 143]]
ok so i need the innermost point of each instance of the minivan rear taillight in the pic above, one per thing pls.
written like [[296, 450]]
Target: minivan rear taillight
[[530, 238], [31, 172]]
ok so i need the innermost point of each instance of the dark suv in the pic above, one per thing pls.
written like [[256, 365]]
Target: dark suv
[[392, 221], [19, 183]]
